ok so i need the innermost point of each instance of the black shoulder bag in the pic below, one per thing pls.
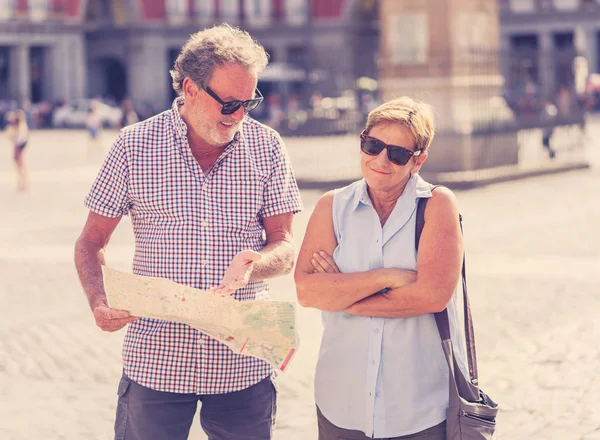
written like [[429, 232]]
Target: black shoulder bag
[[471, 414]]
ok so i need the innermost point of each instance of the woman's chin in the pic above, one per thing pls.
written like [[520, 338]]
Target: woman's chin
[[384, 182], [377, 183]]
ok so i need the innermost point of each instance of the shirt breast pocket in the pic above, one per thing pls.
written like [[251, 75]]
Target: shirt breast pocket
[[240, 205], [165, 206]]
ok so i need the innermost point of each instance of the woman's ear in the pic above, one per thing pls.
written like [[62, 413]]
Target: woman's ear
[[421, 158]]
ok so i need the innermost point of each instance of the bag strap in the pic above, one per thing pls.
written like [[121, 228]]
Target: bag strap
[[441, 318]]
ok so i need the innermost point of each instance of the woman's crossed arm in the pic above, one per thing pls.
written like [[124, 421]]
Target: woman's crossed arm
[[327, 289]]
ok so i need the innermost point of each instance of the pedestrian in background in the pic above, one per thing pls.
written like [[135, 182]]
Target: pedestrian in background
[[211, 195], [130, 116], [18, 135], [93, 123], [381, 371], [549, 112]]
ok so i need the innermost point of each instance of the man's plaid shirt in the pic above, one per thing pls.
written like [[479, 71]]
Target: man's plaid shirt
[[188, 226]]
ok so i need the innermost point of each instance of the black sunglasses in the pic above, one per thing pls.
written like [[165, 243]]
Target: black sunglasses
[[230, 107], [397, 155]]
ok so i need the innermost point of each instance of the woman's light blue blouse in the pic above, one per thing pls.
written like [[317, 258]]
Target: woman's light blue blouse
[[386, 377]]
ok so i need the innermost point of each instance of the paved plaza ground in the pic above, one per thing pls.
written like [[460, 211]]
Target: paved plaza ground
[[534, 276]]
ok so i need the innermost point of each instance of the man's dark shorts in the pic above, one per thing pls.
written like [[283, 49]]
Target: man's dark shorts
[[146, 414]]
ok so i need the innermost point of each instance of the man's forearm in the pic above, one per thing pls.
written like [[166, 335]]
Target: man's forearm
[[277, 259], [89, 259]]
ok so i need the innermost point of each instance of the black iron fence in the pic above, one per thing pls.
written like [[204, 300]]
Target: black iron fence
[[524, 107]]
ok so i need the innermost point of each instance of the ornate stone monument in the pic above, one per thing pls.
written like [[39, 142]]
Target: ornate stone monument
[[447, 53]]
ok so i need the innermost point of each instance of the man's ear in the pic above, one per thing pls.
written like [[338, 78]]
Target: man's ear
[[190, 88]]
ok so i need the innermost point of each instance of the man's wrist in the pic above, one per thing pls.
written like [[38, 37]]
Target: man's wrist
[[97, 300]]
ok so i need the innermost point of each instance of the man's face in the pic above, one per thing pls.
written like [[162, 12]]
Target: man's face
[[230, 82]]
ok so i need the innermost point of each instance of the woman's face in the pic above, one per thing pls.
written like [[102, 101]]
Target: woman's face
[[378, 171]]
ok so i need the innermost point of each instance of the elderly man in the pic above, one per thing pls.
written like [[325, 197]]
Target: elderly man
[[211, 196]]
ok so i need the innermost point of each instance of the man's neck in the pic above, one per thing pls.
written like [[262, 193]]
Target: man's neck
[[205, 154]]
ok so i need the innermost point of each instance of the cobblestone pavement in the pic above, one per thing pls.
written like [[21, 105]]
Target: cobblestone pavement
[[534, 277]]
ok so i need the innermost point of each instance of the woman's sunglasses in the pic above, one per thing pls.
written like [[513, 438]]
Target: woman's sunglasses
[[230, 107], [397, 155]]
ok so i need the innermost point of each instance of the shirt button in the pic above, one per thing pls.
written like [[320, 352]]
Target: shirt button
[[204, 224], [376, 330], [204, 262], [377, 394]]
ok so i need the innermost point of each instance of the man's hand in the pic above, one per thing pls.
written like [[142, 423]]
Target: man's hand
[[111, 320], [238, 273]]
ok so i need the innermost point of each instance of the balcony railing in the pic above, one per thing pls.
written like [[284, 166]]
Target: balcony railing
[[192, 15], [546, 6], [32, 13]]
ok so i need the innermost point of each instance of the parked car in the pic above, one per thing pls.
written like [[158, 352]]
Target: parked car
[[73, 114]]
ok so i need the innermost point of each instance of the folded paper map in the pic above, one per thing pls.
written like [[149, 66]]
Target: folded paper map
[[263, 329]]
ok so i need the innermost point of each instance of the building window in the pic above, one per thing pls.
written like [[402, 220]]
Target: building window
[[296, 56], [38, 10], [566, 5], [408, 38], [520, 6], [204, 9], [4, 72], [296, 11], [7, 9], [258, 12], [563, 40], [36, 70], [230, 10], [98, 10], [177, 10]]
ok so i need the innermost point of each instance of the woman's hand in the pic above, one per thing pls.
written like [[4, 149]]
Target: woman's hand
[[322, 262], [354, 309]]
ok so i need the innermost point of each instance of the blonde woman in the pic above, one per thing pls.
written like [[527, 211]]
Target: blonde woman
[[381, 371]]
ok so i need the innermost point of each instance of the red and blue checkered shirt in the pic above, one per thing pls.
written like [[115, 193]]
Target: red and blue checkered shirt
[[188, 226]]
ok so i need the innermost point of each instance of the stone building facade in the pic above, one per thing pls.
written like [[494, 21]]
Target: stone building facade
[[42, 50], [545, 37], [67, 49]]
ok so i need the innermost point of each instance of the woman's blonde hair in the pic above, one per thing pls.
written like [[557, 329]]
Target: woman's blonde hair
[[414, 115]]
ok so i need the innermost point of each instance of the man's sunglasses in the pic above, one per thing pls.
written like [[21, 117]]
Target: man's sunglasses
[[397, 155], [231, 107]]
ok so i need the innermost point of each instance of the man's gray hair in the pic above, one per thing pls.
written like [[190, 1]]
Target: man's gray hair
[[217, 46]]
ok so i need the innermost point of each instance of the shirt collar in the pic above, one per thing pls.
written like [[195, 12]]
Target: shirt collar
[[415, 188], [178, 123], [361, 194], [422, 188]]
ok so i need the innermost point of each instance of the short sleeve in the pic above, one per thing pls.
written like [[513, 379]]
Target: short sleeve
[[281, 192], [109, 193]]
